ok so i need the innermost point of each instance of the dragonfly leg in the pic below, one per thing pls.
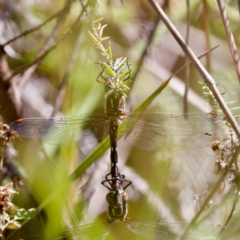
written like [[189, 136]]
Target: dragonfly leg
[[128, 183], [104, 183], [106, 177], [102, 76]]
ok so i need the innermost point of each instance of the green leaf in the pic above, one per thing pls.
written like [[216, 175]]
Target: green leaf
[[6, 217], [96, 42], [98, 20], [122, 93], [109, 51], [124, 74], [25, 214], [105, 38], [108, 69], [101, 31], [125, 87], [120, 62], [14, 225]]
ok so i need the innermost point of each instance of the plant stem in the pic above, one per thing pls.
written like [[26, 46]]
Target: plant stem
[[205, 75]]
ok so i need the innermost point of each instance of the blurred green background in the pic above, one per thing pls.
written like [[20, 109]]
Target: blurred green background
[[165, 185]]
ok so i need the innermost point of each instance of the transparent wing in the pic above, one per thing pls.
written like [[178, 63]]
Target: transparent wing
[[148, 131], [93, 231], [172, 231], [188, 122], [150, 230], [154, 131], [83, 130]]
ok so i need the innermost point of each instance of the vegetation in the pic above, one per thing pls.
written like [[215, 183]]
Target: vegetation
[[47, 61]]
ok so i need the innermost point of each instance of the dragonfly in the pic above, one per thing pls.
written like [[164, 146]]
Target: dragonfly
[[149, 131]]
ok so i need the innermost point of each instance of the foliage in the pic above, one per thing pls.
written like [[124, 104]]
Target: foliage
[[47, 69]]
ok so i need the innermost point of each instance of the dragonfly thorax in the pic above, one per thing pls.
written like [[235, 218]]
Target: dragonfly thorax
[[114, 105]]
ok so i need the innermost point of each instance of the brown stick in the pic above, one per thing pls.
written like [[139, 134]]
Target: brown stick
[[205, 75]]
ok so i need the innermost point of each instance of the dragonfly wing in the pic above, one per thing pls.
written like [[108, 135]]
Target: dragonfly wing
[[67, 131], [93, 231], [144, 132], [152, 230], [196, 122], [165, 230]]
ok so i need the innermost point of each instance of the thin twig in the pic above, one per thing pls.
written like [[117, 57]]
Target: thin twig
[[231, 41], [239, 6], [145, 51], [2, 151], [2, 223], [207, 199], [148, 43], [205, 75], [45, 49], [36, 27], [188, 62], [230, 215], [70, 66], [187, 69], [44, 53], [207, 34]]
